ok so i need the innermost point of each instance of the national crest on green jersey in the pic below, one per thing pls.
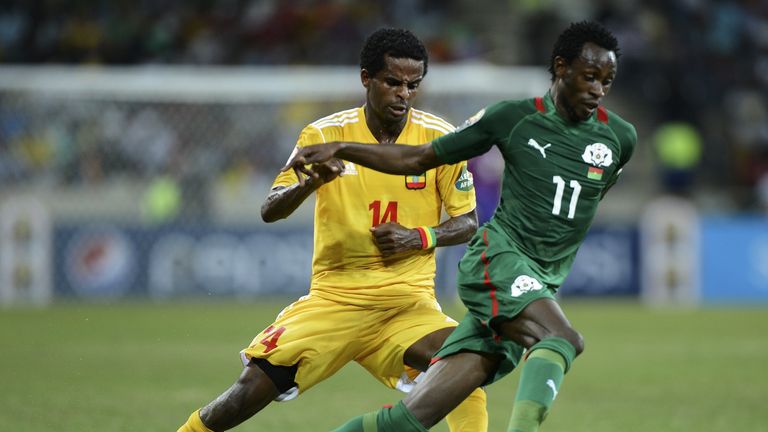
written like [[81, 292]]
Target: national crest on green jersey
[[598, 154], [524, 284]]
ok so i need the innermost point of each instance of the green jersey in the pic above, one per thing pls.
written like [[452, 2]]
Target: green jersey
[[556, 172]]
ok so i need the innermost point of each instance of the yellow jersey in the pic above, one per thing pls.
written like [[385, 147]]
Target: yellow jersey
[[347, 267]]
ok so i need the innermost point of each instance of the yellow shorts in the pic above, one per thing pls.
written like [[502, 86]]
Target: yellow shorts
[[321, 336]]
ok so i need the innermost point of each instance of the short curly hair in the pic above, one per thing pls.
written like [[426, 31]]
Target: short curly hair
[[397, 43], [571, 41]]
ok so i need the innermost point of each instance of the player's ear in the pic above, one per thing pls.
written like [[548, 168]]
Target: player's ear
[[560, 67], [365, 77]]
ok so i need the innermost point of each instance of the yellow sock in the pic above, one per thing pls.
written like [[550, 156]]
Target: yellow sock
[[470, 415], [194, 424]]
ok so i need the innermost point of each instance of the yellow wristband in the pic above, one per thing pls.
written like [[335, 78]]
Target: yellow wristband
[[428, 238]]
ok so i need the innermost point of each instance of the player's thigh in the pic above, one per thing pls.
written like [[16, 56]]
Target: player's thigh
[[317, 336], [541, 319], [384, 355]]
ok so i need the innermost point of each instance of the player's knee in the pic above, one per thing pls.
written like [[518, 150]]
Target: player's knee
[[567, 344], [577, 340], [574, 338]]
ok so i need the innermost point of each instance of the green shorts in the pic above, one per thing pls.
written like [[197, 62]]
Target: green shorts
[[496, 282], [472, 335]]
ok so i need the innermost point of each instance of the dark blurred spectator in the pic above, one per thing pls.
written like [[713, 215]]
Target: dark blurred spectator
[[701, 62]]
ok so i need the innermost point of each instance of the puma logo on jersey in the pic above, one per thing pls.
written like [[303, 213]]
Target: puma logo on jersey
[[551, 384], [532, 142]]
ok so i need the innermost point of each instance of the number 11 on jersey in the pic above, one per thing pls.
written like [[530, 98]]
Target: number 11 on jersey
[[560, 183]]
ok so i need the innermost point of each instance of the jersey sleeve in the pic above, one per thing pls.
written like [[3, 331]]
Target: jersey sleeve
[[628, 139], [489, 127], [456, 188], [309, 135], [627, 136]]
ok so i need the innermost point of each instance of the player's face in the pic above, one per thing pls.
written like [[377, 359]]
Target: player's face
[[391, 91], [585, 81]]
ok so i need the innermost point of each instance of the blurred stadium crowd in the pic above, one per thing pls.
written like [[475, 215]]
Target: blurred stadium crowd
[[694, 73]]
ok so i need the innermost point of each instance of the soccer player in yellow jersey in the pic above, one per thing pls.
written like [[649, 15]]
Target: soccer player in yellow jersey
[[371, 297]]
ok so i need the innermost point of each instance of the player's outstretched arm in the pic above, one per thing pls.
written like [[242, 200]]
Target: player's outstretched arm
[[387, 158], [282, 201]]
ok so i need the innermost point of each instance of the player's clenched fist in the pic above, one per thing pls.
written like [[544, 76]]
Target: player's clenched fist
[[392, 238]]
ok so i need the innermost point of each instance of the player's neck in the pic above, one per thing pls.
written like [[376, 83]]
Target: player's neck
[[561, 106], [385, 133]]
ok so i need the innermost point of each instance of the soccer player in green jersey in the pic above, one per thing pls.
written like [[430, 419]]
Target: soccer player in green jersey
[[562, 152]]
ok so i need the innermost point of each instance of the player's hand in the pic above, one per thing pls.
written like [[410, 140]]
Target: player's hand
[[310, 155], [392, 238], [328, 170]]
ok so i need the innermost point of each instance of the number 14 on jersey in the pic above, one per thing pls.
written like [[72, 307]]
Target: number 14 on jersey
[[389, 214]]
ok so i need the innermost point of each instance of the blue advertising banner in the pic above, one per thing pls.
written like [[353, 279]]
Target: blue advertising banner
[[734, 260], [110, 262], [607, 264]]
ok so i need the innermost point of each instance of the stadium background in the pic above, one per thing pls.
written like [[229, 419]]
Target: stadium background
[[139, 139]]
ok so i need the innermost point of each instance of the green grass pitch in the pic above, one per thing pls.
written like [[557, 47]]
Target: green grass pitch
[[145, 367]]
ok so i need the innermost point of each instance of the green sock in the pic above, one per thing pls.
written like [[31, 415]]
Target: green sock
[[526, 416], [395, 419], [363, 423], [540, 381]]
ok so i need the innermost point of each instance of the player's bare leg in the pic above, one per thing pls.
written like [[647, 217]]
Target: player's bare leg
[[447, 383], [553, 344], [470, 415], [252, 391]]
